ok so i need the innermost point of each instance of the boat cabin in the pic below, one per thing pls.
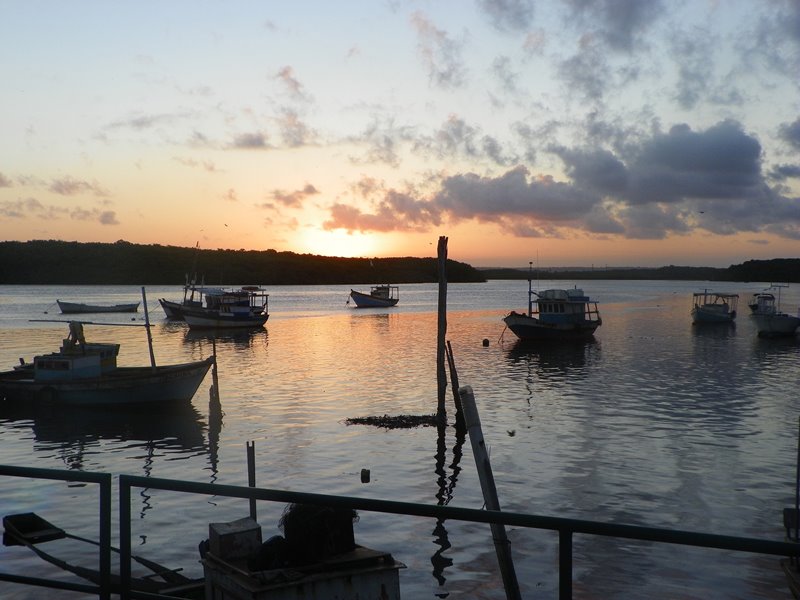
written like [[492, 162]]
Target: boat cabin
[[385, 292], [571, 303], [76, 359]]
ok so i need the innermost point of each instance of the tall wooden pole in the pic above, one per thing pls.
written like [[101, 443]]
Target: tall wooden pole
[[441, 374]]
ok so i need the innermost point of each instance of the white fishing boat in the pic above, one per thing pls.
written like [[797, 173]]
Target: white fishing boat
[[771, 322], [380, 296], [245, 307], [714, 307], [192, 298]]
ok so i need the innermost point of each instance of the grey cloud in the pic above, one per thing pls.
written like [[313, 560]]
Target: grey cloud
[[108, 217], [508, 15], [294, 132], [619, 23], [469, 196], [721, 162], [594, 169], [456, 137], [790, 132], [501, 68], [441, 54], [257, 141], [693, 53], [293, 85], [586, 71], [294, 199], [671, 182], [5, 181], [69, 186], [783, 172]]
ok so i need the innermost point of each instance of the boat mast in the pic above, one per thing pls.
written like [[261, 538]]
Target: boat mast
[[530, 288]]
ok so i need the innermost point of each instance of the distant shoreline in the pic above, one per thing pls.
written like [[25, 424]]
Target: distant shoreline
[[123, 263]]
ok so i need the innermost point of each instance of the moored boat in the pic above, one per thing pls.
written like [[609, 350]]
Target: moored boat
[[74, 308], [380, 296], [762, 302], [555, 314], [192, 298], [770, 321], [714, 307], [82, 373], [227, 308]]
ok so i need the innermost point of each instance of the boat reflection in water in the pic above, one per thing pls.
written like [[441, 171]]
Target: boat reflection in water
[[172, 426]]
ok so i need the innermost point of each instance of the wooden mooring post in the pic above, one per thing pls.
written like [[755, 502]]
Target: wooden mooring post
[[501, 543], [441, 373]]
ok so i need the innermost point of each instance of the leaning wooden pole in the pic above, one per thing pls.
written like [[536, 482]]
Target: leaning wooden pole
[[147, 326], [501, 543], [441, 374]]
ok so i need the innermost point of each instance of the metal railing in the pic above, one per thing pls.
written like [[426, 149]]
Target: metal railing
[[566, 528], [103, 589]]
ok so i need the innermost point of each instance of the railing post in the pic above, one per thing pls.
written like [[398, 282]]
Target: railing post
[[565, 564], [105, 537], [124, 538]]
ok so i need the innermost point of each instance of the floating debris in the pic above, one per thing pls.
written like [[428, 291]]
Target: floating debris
[[396, 422]]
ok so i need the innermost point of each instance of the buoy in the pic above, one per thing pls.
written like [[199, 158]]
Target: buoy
[[485, 342], [364, 475]]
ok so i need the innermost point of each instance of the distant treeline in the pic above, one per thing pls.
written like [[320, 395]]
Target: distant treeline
[[776, 270], [123, 263]]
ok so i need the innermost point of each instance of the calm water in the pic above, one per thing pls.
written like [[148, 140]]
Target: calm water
[[655, 423]]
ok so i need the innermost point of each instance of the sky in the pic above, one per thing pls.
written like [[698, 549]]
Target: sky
[[566, 132]]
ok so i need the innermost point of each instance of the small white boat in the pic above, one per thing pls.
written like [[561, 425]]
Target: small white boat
[[73, 308], [770, 321], [228, 308], [380, 296], [555, 314], [714, 307]]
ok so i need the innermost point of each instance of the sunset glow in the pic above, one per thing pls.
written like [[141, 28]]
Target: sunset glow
[[669, 135]]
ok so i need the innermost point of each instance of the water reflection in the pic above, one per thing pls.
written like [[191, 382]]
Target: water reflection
[[548, 357], [445, 490], [232, 339]]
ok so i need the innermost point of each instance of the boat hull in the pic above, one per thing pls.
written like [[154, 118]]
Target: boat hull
[[73, 308], [123, 386], [363, 300], [214, 320], [776, 325], [700, 315], [531, 328], [173, 310]]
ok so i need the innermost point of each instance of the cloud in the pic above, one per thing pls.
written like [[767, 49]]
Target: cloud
[[142, 122], [508, 15], [230, 195], [5, 181], [790, 133], [620, 24], [669, 183], [440, 53], [30, 207], [206, 165], [292, 84], [294, 132], [104, 217], [294, 199], [69, 186], [587, 71], [457, 138], [693, 53], [251, 141], [783, 172]]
